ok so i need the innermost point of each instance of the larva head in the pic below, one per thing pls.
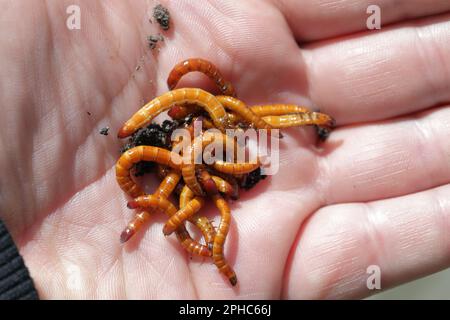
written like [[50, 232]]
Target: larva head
[[126, 235], [177, 112], [210, 187], [125, 131], [233, 280], [167, 230], [132, 204], [234, 193], [228, 89]]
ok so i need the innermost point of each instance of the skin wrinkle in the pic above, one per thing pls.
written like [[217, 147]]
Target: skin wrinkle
[[420, 148], [430, 52], [321, 202], [375, 224], [21, 176], [445, 221], [87, 135], [381, 263], [408, 232], [424, 53], [149, 263], [446, 126], [331, 274], [125, 283], [347, 244], [374, 170], [194, 286], [288, 264], [420, 230]]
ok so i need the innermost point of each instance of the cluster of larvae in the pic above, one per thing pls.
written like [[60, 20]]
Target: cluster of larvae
[[186, 180]]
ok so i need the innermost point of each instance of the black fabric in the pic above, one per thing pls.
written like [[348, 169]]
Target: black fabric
[[15, 281]]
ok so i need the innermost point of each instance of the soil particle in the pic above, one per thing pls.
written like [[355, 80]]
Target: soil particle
[[104, 131], [251, 179], [162, 16], [322, 132], [153, 135], [153, 40]]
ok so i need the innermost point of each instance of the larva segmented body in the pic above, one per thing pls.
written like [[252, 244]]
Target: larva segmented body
[[191, 245], [178, 112], [207, 182], [190, 204], [179, 96], [277, 109], [203, 66], [142, 153], [236, 168], [127, 184], [219, 240], [188, 169], [225, 187], [202, 223], [168, 184], [165, 188], [299, 119], [186, 212], [159, 202]]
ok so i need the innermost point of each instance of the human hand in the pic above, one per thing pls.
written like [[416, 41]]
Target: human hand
[[375, 193]]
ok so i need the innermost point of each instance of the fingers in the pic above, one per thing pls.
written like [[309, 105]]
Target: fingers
[[387, 159], [406, 237], [381, 75], [263, 228], [314, 20]]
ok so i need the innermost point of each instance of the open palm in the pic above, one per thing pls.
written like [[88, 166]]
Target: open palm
[[375, 193]]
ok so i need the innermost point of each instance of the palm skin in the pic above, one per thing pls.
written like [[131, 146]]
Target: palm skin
[[375, 193]]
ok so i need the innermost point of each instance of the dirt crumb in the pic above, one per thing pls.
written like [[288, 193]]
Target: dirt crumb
[[104, 131], [251, 179], [322, 132], [153, 40], [153, 135], [162, 16]]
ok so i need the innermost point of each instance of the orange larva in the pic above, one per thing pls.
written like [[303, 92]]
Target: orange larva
[[219, 240], [202, 223], [225, 187], [142, 153], [164, 190], [277, 109], [214, 179], [240, 108], [207, 182], [178, 218], [159, 202], [299, 119], [190, 204], [203, 66], [188, 169], [179, 96], [236, 168]]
